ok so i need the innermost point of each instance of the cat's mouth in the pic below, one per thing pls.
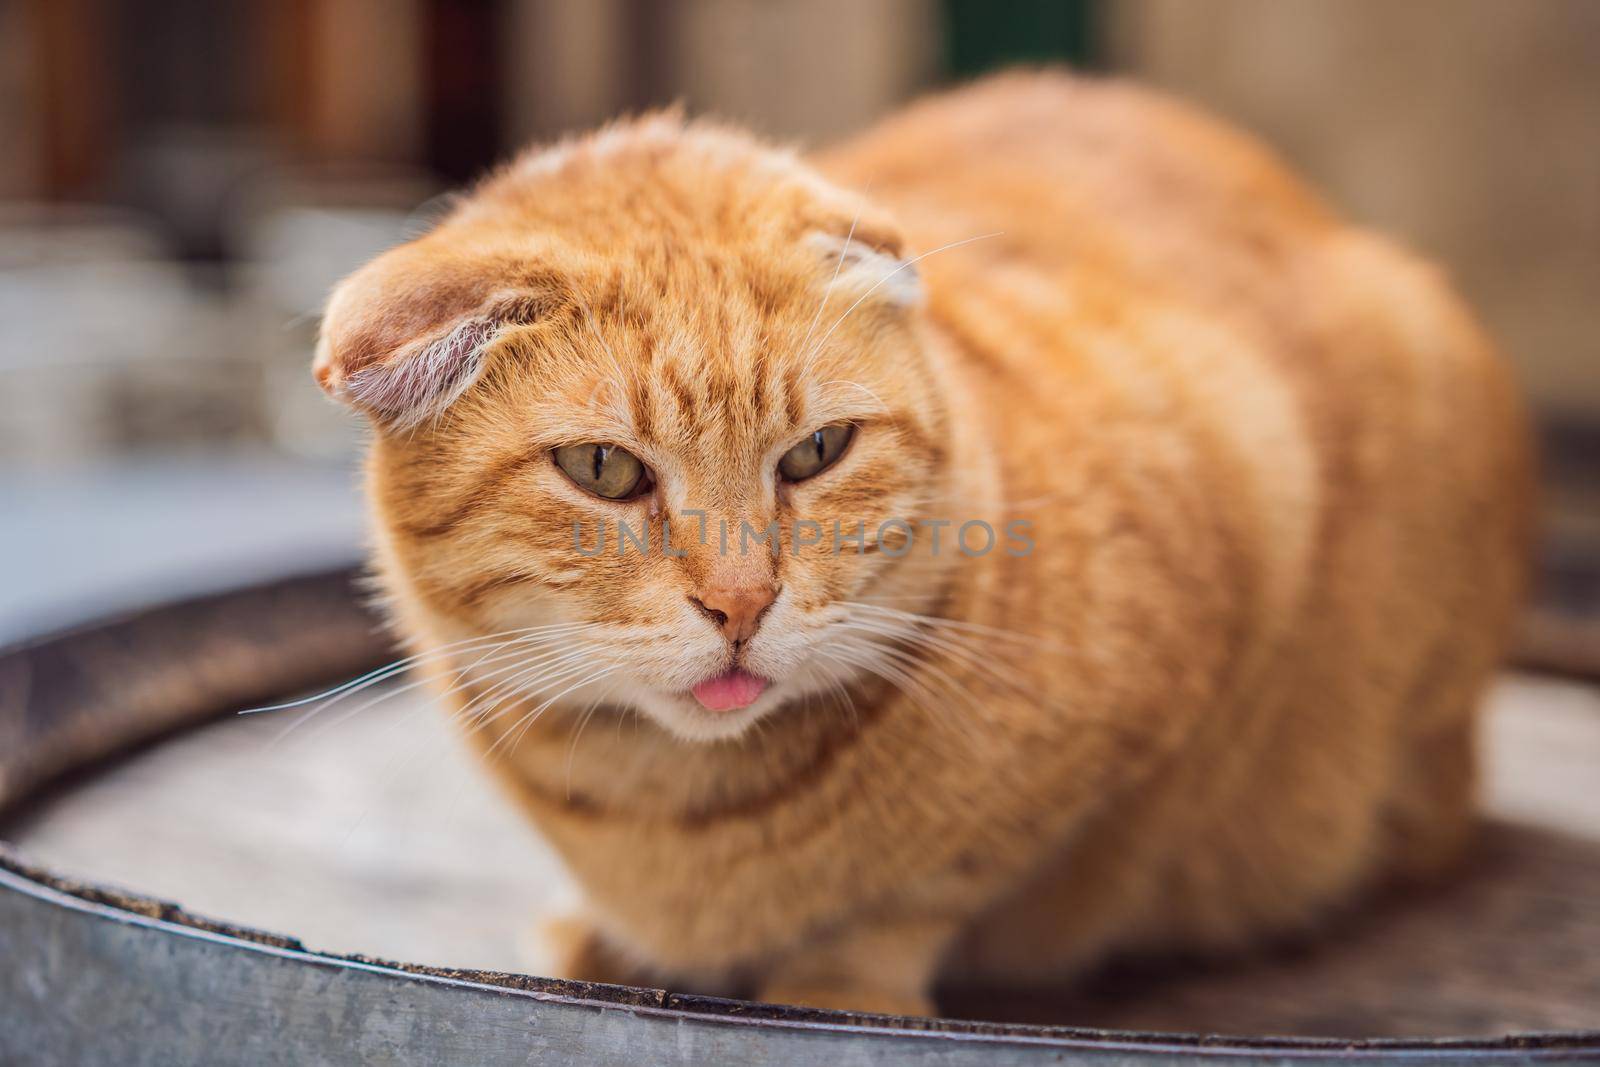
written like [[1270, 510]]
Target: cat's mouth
[[730, 691]]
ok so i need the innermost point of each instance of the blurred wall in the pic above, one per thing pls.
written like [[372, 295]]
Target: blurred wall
[[820, 69], [184, 179], [1469, 127], [789, 68]]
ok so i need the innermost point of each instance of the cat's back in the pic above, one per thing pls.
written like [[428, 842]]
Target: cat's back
[[1172, 342], [1090, 228], [1159, 288], [1089, 183]]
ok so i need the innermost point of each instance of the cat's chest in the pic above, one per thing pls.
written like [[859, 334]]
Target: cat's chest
[[653, 814], [618, 770]]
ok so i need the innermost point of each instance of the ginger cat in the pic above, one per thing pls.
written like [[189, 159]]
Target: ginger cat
[[1257, 488]]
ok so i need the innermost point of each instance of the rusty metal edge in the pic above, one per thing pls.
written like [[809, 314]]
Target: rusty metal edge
[[986, 1039], [95, 903]]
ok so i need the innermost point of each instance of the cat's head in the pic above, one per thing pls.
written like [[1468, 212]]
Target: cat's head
[[661, 331]]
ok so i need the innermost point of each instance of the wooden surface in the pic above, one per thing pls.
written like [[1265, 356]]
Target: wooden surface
[[373, 832]]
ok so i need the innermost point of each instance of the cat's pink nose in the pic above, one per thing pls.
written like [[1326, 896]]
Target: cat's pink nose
[[736, 610]]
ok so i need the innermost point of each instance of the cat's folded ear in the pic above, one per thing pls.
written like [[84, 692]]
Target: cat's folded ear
[[865, 254], [407, 335]]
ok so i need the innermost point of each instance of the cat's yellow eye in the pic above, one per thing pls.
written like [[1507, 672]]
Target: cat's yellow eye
[[604, 470], [816, 453]]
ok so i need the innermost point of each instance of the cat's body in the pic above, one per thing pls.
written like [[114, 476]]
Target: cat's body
[[1273, 477]]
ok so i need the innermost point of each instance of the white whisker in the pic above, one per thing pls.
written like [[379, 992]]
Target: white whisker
[[395, 667], [499, 653], [492, 650], [844, 250], [522, 725]]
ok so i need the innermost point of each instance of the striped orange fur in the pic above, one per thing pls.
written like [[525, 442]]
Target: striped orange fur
[[1273, 477]]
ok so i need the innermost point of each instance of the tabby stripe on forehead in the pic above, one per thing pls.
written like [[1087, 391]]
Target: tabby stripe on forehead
[[758, 384], [793, 404], [680, 390], [479, 494], [643, 410]]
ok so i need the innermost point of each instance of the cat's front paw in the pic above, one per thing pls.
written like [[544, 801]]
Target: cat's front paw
[[851, 998], [570, 946]]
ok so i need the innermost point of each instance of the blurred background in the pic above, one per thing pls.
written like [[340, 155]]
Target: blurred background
[[183, 180]]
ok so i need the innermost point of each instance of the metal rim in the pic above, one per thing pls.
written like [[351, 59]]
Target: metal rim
[[72, 700]]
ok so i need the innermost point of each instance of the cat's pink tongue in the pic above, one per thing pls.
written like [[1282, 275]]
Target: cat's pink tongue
[[729, 692]]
